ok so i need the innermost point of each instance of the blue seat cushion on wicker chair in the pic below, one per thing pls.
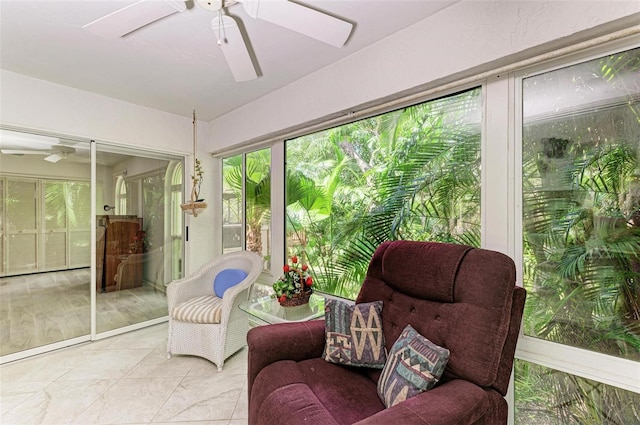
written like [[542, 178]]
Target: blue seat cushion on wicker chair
[[226, 279]]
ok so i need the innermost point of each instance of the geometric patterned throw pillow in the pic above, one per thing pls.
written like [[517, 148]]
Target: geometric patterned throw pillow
[[354, 334], [414, 365]]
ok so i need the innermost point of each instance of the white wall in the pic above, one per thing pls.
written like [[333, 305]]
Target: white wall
[[40, 105], [466, 38], [202, 245]]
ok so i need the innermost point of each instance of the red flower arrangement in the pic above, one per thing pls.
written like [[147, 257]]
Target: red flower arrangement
[[294, 286]]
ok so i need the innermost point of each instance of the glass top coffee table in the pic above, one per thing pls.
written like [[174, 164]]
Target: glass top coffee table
[[268, 310]]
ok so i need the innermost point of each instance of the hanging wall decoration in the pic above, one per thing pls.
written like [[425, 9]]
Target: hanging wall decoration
[[195, 205]]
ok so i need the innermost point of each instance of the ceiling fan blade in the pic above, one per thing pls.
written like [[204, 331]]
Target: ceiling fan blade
[[130, 18], [234, 48], [301, 19], [23, 152], [53, 158]]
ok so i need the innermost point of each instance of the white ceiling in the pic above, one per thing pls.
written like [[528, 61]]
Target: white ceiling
[[174, 64]]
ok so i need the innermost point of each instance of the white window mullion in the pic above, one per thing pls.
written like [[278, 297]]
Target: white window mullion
[[94, 188], [496, 173], [243, 201], [278, 208], [609, 370]]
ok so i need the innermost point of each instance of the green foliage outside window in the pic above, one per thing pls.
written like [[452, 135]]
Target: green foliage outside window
[[408, 174]]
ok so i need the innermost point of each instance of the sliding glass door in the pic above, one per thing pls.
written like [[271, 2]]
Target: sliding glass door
[[46, 279], [45, 234], [135, 244]]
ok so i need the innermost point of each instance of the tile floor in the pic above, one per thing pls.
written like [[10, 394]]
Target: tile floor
[[125, 379]]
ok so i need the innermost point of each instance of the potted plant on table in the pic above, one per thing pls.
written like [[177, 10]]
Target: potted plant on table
[[294, 286]]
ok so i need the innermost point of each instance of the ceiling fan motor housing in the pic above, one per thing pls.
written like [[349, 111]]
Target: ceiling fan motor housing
[[213, 5]]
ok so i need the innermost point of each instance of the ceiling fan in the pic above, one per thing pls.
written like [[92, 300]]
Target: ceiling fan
[[55, 154], [293, 16]]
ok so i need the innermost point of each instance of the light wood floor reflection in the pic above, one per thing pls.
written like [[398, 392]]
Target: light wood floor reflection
[[44, 308]]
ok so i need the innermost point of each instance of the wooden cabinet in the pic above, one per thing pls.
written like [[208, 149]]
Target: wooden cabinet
[[118, 238]]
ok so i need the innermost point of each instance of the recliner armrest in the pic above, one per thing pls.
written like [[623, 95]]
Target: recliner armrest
[[283, 341], [456, 402]]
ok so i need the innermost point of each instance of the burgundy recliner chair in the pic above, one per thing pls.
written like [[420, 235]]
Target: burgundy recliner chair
[[459, 297]]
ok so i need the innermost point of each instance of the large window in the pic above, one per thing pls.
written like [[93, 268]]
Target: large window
[[581, 229], [232, 215], [581, 199], [246, 206], [413, 173]]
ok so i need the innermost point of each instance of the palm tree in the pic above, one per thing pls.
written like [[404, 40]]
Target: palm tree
[[408, 174], [301, 193], [257, 192]]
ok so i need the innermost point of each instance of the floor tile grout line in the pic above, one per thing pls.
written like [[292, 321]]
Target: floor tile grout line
[[235, 408], [101, 395], [187, 375], [169, 397]]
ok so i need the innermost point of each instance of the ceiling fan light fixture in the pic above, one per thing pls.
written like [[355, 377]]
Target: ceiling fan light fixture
[[54, 157]]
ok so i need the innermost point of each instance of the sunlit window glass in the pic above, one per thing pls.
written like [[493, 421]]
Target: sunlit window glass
[[232, 204], [258, 203], [176, 222], [581, 204]]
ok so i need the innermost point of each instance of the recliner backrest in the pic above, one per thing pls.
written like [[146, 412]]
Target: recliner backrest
[[459, 297]]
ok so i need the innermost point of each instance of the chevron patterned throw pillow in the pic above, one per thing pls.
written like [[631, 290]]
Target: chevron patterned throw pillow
[[354, 334]]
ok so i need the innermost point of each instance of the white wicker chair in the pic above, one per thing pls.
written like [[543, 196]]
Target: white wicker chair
[[214, 342]]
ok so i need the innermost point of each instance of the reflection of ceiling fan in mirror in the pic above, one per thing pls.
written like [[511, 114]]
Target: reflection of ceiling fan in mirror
[[293, 16], [55, 154]]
